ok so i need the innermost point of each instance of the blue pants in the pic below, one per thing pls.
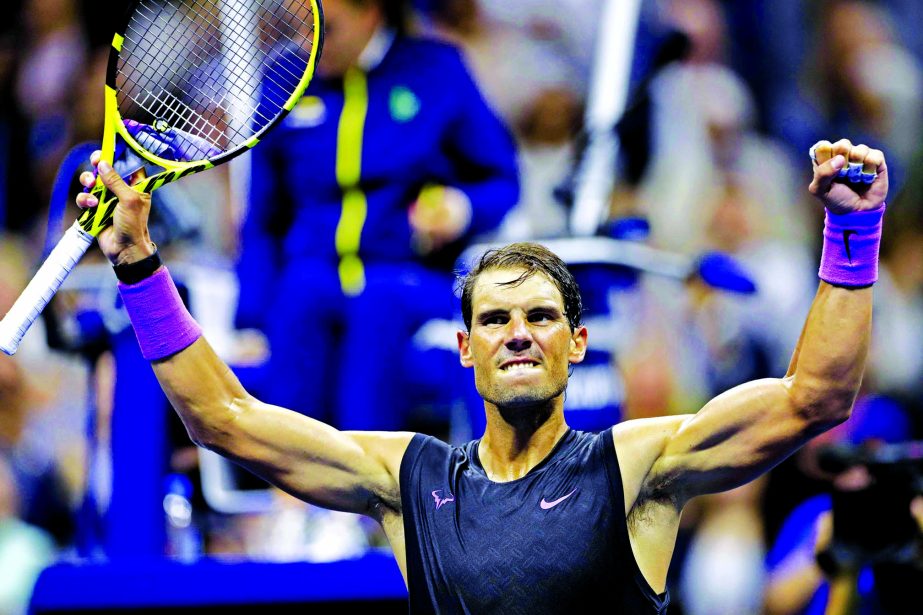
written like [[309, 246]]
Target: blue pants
[[343, 359]]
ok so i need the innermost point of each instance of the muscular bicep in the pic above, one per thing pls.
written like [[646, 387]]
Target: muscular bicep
[[733, 439], [349, 471]]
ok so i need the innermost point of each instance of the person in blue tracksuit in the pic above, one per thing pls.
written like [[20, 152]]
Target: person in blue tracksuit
[[391, 161]]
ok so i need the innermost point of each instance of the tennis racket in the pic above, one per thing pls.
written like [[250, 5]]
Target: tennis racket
[[190, 84]]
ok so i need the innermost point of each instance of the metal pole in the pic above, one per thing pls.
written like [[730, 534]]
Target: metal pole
[[608, 96]]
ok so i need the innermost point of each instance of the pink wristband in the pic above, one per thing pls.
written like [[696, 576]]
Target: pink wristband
[[850, 256], [162, 324]]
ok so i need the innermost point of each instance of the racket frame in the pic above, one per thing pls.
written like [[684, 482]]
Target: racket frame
[[96, 219], [78, 239]]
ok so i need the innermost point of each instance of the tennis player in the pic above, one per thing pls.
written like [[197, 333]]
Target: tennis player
[[533, 517]]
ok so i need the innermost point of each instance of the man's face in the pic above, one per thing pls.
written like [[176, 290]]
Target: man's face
[[349, 27], [520, 343]]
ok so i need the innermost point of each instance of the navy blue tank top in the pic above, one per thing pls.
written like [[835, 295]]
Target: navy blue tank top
[[553, 541]]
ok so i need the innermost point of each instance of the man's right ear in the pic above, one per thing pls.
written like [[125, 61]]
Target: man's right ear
[[464, 349]]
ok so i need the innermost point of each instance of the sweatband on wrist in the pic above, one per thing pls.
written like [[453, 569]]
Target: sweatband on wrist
[[133, 273], [162, 324], [850, 255]]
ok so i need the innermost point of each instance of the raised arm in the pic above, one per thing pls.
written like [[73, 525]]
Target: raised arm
[[746, 431], [350, 471]]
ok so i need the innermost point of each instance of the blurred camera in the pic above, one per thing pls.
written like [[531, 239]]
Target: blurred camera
[[872, 521]]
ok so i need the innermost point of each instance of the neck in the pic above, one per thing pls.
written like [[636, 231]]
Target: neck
[[518, 440]]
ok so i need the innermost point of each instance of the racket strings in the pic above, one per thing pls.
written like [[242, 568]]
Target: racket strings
[[216, 98], [200, 67], [199, 123]]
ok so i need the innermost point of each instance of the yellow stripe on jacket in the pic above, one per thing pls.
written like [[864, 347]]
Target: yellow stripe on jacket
[[348, 172]]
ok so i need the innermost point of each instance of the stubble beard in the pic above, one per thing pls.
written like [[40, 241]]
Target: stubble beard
[[529, 409]]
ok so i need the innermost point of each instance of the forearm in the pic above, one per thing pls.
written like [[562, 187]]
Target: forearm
[[828, 362], [204, 392], [830, 357]]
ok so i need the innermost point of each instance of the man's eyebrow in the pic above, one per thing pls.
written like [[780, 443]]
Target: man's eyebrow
[[546, 309], [551, 309], [490, 313]]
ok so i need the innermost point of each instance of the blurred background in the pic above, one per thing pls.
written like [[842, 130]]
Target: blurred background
[[660, 147]]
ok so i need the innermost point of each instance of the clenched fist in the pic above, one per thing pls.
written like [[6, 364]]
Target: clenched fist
[[849, 177]]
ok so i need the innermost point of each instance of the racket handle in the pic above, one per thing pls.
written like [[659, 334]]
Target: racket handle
[[42, 288]]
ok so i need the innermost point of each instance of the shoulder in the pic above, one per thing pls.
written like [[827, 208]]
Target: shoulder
[[388, 447], [406, 450], [639, 444]]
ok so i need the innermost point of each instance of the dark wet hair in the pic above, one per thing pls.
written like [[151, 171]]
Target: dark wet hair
[[534, 258]]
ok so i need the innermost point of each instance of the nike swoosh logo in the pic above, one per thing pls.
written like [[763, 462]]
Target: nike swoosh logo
[[546, 505], [846, 235]]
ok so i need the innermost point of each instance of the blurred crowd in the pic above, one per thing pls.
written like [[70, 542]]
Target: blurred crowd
[[713, 158]]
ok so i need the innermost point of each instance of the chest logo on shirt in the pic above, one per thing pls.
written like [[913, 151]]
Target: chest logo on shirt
[[403, 104], [546, 505], [308, 113], [442, 501]]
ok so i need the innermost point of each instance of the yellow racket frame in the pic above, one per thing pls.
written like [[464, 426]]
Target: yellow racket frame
[[93, 221]]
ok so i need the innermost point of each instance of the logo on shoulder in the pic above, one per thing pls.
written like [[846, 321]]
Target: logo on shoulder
[[442, 501]]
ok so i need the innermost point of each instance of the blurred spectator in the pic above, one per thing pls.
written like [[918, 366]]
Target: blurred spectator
[[753, 337], [906, 16], [704, 138], [24, 549], [723, 571], [857, 80], [873, 81], [44, 491], [714, 183], [527, 48], [796, 582], [564, 29], [44, 496], [50, 68], [526, 51], [359, 205], [546, 133]]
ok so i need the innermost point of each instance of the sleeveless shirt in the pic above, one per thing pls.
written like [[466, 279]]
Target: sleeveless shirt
[[553, 541]]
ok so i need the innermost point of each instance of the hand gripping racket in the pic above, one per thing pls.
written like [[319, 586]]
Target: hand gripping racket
[[190, 84]]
